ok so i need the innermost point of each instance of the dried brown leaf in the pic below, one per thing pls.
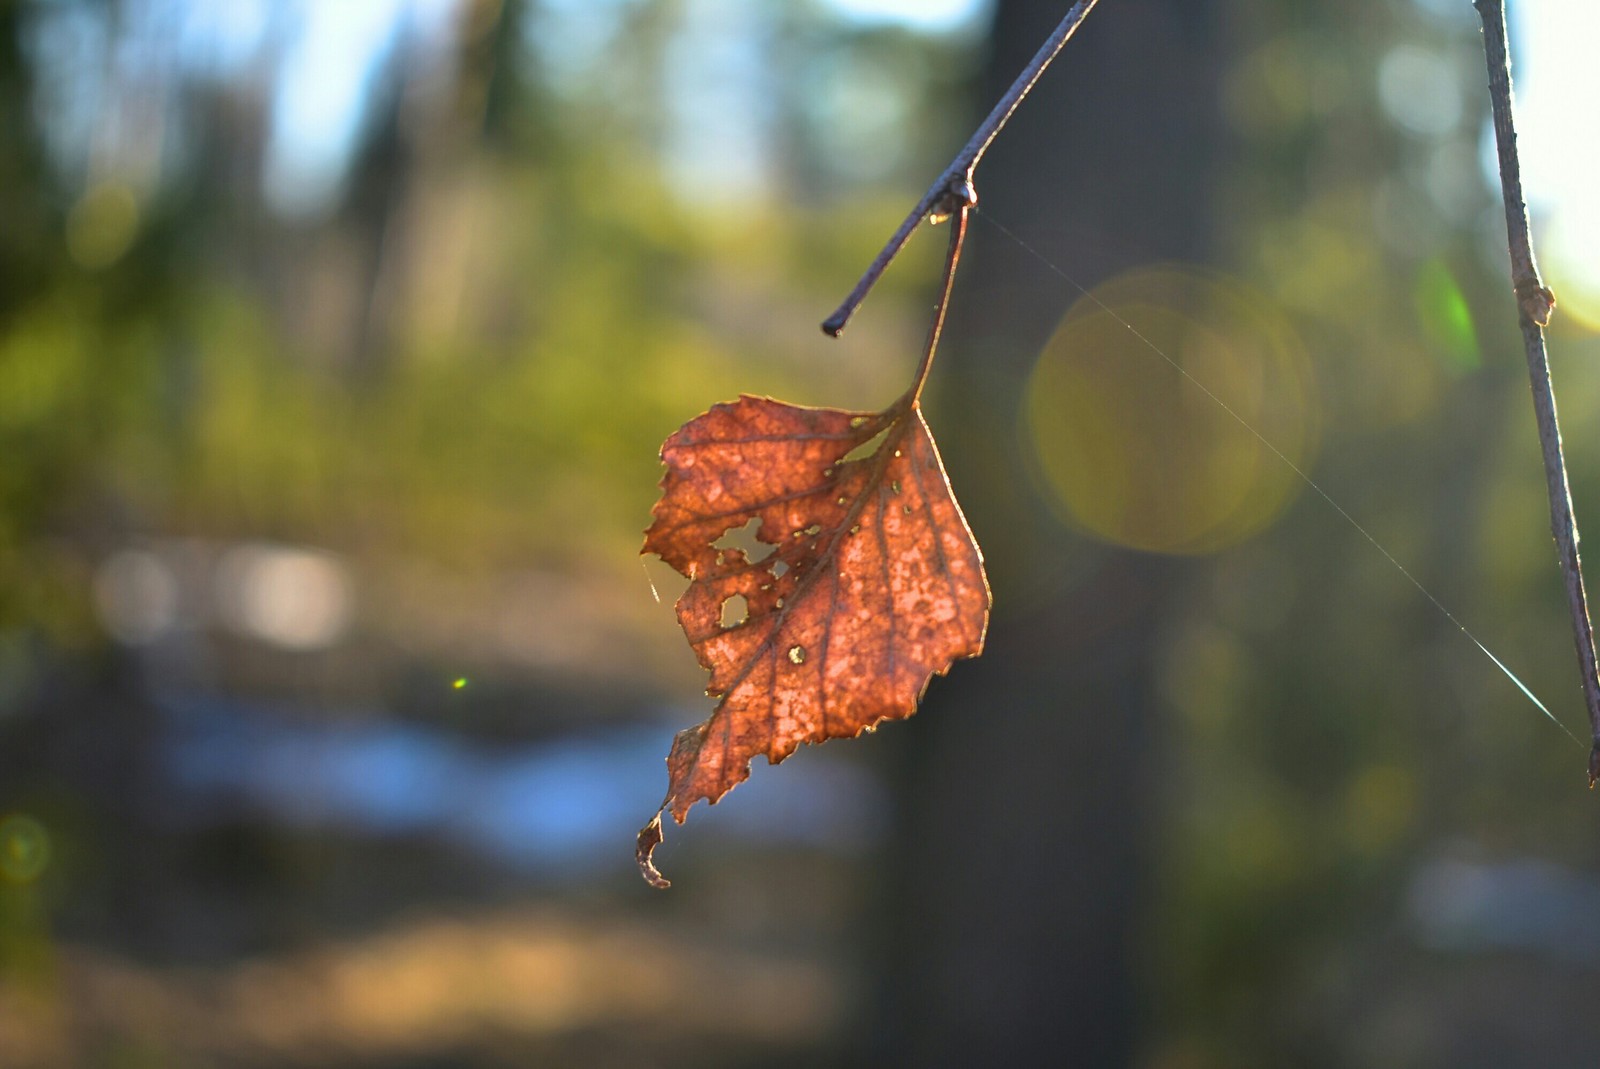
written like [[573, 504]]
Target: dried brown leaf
[[873, 585]]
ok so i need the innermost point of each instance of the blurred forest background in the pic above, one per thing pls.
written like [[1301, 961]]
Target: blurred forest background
[[337, 339]]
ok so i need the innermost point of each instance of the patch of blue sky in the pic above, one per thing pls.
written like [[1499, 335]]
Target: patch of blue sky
[[221, 38], [718, 88], [929, 16], [335, 53]]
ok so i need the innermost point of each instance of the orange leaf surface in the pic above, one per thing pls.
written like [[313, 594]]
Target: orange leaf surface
[[873, 584]]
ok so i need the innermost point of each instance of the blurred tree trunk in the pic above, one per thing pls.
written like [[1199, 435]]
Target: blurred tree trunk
[[29, 222], [1018, 894]]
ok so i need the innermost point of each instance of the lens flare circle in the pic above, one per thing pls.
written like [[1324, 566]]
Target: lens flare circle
[[24, 848], [1130, 449]]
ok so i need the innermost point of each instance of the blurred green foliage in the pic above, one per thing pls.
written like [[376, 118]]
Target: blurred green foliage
[[479, 375]]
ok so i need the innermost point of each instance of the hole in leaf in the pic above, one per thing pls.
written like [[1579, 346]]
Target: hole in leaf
[[735, 611], [779, 567], [866, 448], [742, 538]]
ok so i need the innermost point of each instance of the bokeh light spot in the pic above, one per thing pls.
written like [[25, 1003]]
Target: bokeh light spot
[[24, 848], [136, 596], [460, 683], [1445, 316], [293, 597], [102, 225], [1290, 80], [1132, 450], [1420, 90]]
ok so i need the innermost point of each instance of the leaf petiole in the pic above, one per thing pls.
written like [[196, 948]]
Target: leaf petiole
[[958, 235]]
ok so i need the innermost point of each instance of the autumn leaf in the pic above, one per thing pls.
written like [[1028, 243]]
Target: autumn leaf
[[873, 585]]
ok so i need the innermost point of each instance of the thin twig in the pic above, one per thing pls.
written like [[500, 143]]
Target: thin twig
[[954, 189], [1534, 304]]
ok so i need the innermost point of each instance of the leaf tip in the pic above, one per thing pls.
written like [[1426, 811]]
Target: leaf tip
[[649, 839]]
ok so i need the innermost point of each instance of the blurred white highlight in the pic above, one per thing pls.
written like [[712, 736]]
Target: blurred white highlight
[[136, 596], [300, 599]]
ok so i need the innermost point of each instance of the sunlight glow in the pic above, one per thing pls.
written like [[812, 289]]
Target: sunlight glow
[[1557, 83]]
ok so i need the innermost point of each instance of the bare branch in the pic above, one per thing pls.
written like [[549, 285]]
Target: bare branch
[[954, 189], [1534, 304]]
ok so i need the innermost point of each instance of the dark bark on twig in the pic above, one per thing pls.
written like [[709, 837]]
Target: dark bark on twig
[[1534, 304], [953, 189]]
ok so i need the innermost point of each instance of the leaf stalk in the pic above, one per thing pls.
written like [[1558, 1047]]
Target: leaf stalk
[[958, 235]]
